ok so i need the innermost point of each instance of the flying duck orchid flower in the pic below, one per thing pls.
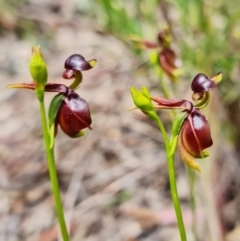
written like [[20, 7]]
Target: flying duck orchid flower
[[165, 55], [67, 108], [194, 132]]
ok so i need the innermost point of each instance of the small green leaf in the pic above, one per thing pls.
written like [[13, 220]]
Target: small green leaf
[[54, 107], [176, 128], [52, 114], [178, 122]]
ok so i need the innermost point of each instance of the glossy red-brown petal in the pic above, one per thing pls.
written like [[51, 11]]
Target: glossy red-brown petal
[[78, 62], [168, 61], [196, 134], [74, 115], [185, 155], [69, 74], [202, 83], [60, 88], [164, 103]]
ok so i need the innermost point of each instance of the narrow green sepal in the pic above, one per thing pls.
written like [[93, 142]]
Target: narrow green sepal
[[217, 78], [145, 93], [38, 68]]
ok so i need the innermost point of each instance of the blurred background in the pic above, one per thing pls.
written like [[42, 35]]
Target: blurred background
[[114, 180]]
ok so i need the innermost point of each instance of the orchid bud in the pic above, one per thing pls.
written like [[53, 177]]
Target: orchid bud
[[73, 115], [38, 68]]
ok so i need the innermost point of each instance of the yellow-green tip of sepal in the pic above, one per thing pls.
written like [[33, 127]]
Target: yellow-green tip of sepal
[[38, 68], [217, 78], [92, 62]]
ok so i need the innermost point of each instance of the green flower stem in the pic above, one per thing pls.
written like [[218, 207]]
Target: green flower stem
[[170, 149], [164, 133], [53, 172], [174, 192]]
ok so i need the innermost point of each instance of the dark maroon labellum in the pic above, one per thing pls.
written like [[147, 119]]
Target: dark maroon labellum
[[77, 62], [74, 115], [202, 83], [196, 133]]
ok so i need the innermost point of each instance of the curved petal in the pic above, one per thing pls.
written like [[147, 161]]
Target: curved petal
[[69, 74], [202, 83], [60, 88], [78, 62], [172, 103], [186, 157], [196, 134], [168, 61]]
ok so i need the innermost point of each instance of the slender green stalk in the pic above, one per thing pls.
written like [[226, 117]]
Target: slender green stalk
[[164, 133], [174, 192], [52, 172], [170, 150]]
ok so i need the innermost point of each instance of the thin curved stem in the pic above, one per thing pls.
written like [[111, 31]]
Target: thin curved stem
[[53, 172]]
